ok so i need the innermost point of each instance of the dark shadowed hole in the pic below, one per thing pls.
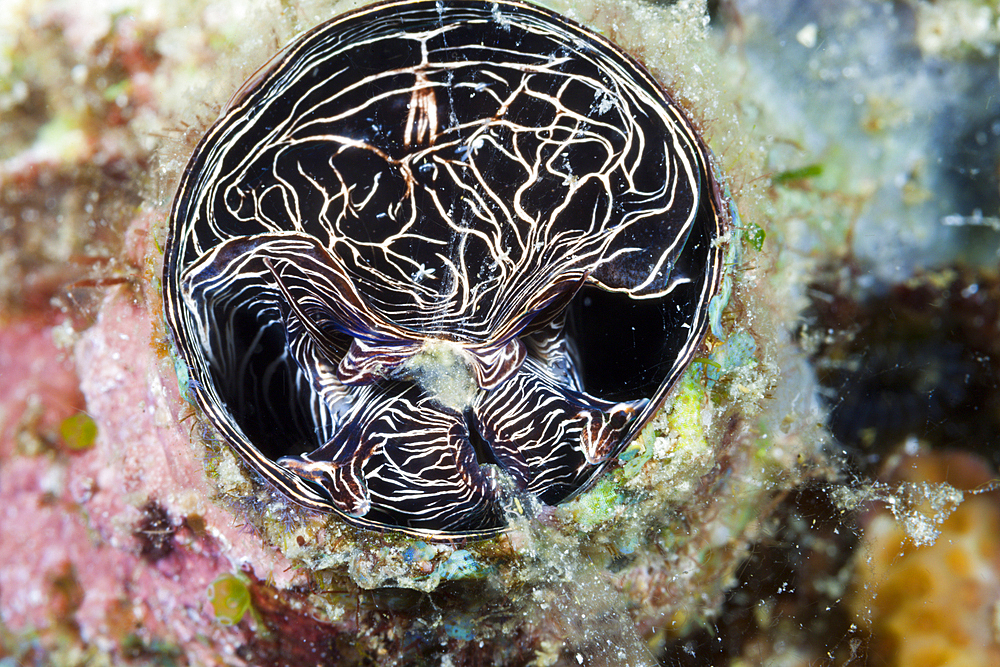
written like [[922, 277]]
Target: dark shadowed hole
[[484, 454], [626, 346], [265, 400], [618, 339]]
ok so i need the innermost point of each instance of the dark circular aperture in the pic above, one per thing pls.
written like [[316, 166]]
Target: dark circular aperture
[[435, 243]]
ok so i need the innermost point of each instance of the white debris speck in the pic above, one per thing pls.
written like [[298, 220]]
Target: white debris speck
[[807, 36]]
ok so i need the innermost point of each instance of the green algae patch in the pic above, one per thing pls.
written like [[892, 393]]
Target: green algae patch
[[801, 174], [639, 451], [79, 432], [755, 235], [597, 506], [229, 596], [662, 465], [684, 418], [678, 450]]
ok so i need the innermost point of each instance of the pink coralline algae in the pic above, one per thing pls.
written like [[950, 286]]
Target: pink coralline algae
[[121, 540]]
